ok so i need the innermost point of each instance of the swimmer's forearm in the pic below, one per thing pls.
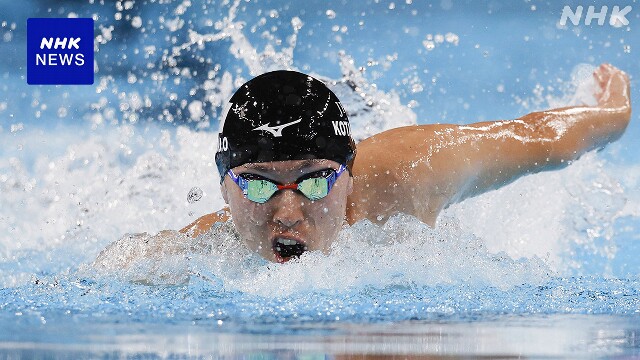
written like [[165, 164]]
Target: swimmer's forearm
[[489, 155], [568, 133], [572, 131]]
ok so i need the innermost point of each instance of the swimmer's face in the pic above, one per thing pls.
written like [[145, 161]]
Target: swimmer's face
[[288, 215]]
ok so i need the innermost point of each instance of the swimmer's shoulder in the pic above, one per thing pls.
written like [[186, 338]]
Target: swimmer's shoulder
[[398, 136], [204, 223], [394, 168], [387, 151]]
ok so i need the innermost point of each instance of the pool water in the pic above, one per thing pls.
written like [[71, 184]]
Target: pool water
[[546, 266]]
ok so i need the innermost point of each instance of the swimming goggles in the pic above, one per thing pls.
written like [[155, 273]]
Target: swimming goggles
[[314, 186]]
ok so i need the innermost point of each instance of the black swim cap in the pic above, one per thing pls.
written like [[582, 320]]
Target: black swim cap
[[284, 115]]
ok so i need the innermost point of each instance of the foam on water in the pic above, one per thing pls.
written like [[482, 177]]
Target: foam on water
[[404, 252], [554, 215]]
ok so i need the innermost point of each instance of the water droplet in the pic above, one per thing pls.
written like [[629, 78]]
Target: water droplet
[[296, 23], [331, 14], [17, 127], [194, 195], [62, 111], [136, 22], [452, 38]]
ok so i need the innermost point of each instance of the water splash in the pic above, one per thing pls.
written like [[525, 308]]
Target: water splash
[[403, 253], [576, 210], [553, 215], [578, 91]]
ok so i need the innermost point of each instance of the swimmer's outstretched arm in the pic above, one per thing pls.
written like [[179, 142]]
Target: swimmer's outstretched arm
[[433, 166], [546, 140]]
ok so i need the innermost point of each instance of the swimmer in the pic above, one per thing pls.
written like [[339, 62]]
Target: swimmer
[[292, 176]]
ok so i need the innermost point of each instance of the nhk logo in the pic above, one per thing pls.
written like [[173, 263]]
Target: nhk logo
[[54, 59], [59, 51], [617, 18]]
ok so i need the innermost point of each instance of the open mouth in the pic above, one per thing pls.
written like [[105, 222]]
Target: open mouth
[[286, 248]]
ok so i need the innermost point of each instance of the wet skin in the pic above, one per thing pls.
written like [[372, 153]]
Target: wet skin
[[288, 214]]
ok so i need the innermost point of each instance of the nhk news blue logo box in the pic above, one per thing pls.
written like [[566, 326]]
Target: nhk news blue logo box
[[59, 51]]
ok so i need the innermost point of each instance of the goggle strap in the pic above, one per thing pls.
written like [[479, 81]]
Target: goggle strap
[[242, 183], [334, 176]]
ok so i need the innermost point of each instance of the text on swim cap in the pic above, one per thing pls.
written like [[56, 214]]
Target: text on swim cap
[[223, 144], [342, 112], [341, 128]]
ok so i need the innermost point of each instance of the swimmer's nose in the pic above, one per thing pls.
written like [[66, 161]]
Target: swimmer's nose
[[288, 208]]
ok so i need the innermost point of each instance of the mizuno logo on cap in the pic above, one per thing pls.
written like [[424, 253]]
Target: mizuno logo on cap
[[276, 131]]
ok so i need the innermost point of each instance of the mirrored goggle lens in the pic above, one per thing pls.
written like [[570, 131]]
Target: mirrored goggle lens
[[314, 188], [260, 190]]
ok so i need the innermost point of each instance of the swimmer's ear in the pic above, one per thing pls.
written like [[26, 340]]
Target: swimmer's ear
[[350, 185]]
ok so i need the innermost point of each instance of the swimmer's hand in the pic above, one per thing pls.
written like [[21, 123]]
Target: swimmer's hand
[[613, 88], [145, 258], [204, 223]]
